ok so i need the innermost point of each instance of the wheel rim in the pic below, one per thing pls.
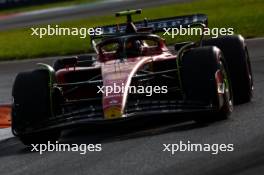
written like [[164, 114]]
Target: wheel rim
[[228, 91]]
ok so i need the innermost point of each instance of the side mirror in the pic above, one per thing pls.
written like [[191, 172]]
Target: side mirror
[[5, 116]]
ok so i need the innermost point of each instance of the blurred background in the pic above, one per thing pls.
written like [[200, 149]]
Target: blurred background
[[18, 16], [19, 3]]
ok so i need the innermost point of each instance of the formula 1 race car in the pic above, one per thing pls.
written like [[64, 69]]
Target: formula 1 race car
[[133, 74]]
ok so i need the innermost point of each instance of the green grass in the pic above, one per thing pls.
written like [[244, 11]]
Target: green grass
[[245, 16], [44, 6]]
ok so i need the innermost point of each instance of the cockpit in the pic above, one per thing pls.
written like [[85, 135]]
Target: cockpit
[[130, 46]]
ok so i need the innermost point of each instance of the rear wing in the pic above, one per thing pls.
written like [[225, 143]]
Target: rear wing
[[156, 25]]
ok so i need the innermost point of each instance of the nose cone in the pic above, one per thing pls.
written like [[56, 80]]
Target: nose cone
[[116, 78], [113, 112], [114, 96]]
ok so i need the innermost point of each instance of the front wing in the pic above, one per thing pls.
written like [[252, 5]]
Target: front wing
[[147, 109]]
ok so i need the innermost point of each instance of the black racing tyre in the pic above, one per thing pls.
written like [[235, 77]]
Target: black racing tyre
[[32, 104], [237, 58], [199, 67]]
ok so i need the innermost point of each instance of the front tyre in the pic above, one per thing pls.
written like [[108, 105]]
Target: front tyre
[[206, 79], [31, 106], [237, 58]]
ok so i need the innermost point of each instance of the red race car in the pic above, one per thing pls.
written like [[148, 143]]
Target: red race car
[[133, 74]]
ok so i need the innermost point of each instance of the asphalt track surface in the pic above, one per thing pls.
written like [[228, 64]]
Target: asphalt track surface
[[136, 148], [105, 7]]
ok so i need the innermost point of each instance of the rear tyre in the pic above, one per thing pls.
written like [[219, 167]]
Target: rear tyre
[[199, 67], [238, 62], [32, 104]]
